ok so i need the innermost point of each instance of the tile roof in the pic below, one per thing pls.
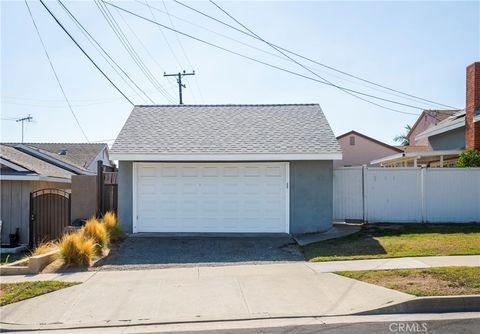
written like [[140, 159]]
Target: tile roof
[[226, 129], [34, 165], [80, 155]]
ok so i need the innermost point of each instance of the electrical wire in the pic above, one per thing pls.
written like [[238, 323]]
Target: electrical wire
[[161, 30], [301, 65], [129, 48], [104, 53], [84, 52], [183, 51], [271, 65], [314, 61], [54, 71]]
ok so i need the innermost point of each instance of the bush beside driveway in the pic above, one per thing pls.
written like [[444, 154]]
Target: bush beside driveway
[[376, 241]]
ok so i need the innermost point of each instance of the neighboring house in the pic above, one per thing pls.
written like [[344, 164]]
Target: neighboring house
[[82, 158], [359, 149], [448, 138], [25, 168], [426, 120], [446, 135], [226, 168]]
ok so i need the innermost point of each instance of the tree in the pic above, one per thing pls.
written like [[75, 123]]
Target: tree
[[469, 158], [403, 138]]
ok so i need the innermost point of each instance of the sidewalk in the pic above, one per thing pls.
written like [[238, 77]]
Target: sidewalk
[[321, 267], [210, 293], [108, 298], [396, 263]]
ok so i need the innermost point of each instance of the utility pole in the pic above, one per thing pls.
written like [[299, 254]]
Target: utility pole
[[179, 76], [24, 119]]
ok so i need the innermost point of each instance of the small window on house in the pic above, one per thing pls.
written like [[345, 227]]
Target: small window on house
[[352, 140]]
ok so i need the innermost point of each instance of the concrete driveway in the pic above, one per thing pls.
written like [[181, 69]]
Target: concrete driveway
[[113, 298], [147, 252]]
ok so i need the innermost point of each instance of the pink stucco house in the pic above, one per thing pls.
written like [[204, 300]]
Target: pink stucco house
[[359, 149]]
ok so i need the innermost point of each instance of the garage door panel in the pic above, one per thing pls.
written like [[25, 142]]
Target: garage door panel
[[211, 197]]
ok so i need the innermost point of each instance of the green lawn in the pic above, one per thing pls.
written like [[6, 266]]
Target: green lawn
[[444, 281], [15, 292], [394, 240]]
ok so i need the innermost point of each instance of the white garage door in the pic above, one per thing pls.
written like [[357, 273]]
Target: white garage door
[[211, 197]]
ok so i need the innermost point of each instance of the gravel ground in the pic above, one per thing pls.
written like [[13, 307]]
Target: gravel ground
[[159, 252]]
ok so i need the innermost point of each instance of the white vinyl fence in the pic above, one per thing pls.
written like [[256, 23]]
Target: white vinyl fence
[[407, 195]]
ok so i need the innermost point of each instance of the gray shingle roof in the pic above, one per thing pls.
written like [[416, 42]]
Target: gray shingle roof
[[80, 155], [226, 129], [34, 165]]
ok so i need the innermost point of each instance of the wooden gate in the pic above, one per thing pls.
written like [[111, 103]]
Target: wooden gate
[[49, 214], [108, 189]]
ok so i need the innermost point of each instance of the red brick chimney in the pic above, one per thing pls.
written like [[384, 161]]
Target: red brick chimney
[[472, 130]]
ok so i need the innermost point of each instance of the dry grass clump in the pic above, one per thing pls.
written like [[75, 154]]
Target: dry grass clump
[[76, 250], [110, 221], [44, 247], [97, 232]]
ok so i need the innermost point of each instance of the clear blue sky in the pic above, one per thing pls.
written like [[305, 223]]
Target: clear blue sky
[[418, 47]]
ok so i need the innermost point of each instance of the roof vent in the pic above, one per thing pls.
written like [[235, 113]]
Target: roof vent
[[63, 151]]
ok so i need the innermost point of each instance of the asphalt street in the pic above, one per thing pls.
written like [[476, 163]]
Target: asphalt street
[[460, 326]]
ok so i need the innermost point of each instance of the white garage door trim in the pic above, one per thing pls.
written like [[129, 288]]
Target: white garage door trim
[[286, 166]]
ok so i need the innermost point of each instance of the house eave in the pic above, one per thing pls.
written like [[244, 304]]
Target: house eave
[[224, 157], [34, 178], [13, 165], [413, 155], [432, 132]]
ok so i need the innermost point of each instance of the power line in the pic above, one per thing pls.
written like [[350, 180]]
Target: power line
[[300, 64], [183, 49], [163, 34], [112, 22], [54, 73], [85, 53], [271, 65], [312, 60], [97, 46], [148, 53], [157, 84], [273, 54]]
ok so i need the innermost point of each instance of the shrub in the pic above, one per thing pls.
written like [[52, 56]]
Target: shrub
[[44, 247], [76, 250], [97, 232], [469, 158], [111, 224], [110, 220]]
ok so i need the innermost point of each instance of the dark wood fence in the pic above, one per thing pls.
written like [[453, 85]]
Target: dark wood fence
[[49, 214], [107, 189]]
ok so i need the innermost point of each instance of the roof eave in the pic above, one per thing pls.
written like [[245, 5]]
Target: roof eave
[[413, 155], [30, 177], [458, 123], [225, 157]]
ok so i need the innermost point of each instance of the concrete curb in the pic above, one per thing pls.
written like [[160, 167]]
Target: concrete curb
[[425, 305], [441, 304]]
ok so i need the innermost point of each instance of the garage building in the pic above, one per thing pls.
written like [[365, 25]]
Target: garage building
[[226, 169]]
